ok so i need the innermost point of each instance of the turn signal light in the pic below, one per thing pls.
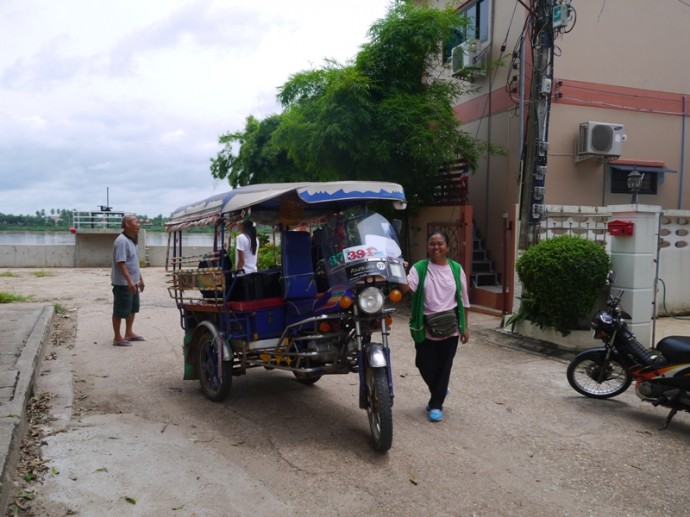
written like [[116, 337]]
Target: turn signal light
[[345, 302], [324, 327], [395, 296], [389, 320]]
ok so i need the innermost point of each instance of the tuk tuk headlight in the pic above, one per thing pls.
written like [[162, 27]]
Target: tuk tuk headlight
[[370, 300]]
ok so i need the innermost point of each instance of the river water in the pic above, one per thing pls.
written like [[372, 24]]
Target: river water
[[66, 238]]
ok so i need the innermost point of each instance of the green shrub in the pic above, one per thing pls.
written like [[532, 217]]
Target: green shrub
[[269, 255], [561, 281], [6, 297]]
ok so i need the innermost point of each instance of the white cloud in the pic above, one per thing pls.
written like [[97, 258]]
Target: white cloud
[[34, 122], [130, 97]]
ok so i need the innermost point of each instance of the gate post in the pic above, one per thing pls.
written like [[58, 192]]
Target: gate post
[[634, 260]]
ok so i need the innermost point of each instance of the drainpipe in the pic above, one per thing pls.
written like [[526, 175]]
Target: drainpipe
[[521, 129], [487, 226], [504, 276], [682, 157], [655, 308]]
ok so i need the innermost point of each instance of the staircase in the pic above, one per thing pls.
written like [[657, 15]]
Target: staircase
[[483, 272]]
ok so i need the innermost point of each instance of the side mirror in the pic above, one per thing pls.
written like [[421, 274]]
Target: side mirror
[[612, 277]]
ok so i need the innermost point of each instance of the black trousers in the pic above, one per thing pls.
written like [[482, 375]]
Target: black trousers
[[434, 360]]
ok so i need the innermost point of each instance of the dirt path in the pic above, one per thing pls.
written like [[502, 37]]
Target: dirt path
[[132, 438]]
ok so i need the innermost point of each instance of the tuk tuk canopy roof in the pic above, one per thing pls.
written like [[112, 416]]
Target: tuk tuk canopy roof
[[271, 203]]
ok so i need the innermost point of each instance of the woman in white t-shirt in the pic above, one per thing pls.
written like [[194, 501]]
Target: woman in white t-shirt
[[247, 247]]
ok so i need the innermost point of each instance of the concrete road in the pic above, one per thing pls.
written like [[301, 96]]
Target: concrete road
[[132, 438]]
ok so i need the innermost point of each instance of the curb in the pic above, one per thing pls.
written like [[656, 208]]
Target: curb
[[507, 339], [13, 415]]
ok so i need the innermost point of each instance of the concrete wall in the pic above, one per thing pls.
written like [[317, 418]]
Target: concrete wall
[[94, 249], [19, 255], [674, 276], [94, 253]]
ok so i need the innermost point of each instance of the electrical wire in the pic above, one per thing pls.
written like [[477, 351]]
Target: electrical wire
[[619, 106], [514, 63], [493, 79], [620, 94], [566, 31]]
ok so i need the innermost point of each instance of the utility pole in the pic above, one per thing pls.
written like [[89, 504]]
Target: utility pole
[[535, 151]]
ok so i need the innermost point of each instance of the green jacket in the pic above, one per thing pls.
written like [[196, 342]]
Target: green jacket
[[417, 317]]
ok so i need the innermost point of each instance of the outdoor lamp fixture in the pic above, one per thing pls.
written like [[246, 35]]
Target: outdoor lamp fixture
[[635, 183]]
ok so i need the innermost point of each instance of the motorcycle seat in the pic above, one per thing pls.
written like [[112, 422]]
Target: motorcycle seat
[[675, 348]]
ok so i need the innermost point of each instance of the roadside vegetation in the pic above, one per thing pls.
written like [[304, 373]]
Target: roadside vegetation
[[6, 297], [60, 219]]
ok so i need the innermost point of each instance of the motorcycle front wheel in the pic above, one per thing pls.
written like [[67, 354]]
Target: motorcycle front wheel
[[590, 374], [379, 408]]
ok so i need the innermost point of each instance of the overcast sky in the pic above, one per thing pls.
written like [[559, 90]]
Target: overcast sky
[[127, 98]]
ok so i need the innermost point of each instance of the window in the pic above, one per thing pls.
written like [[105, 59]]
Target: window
[[477, 18], [619, 182], [653, 171]]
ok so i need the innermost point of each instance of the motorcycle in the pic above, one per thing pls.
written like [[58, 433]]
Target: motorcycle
[[661, 375], [324, 308]]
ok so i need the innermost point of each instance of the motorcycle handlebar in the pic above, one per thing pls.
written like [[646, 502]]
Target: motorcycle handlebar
[[614, 301]]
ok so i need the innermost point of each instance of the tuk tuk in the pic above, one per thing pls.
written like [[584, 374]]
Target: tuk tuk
[[325, 304]]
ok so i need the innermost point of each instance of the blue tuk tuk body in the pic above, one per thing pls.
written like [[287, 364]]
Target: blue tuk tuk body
[[315, 312]]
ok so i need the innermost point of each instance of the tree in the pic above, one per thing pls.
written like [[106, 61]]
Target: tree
[[386, 116], [259, 160]]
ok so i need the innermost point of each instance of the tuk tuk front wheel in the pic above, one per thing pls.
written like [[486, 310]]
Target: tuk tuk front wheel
[[212, 386], [379, 408]]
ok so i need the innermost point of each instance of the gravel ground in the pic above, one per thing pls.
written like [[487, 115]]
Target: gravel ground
[[127, 436]]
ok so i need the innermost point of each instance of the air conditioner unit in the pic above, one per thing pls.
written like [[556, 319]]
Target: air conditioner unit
[[601, 139], [467, 59]]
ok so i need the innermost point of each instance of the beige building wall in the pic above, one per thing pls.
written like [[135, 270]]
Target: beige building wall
[[623, 62]]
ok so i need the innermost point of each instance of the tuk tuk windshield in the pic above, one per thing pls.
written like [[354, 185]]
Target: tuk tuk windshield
[[350, 239]]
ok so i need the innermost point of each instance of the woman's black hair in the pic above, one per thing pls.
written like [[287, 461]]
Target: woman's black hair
[[442, 234], [249, 229]]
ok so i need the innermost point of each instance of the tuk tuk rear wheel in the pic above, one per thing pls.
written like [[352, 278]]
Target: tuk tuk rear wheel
[[210, 382], [379, 408]]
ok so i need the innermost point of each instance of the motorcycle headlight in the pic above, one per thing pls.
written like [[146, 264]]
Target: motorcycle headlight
[[603, 321], [370, 300]]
